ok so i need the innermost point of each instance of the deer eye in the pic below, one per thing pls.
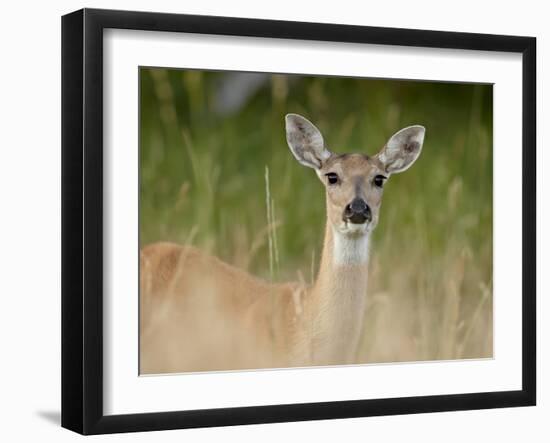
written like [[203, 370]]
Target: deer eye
[[332, 178], [379, 180]]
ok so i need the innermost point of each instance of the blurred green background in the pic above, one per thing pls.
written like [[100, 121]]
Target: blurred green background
[[208, 140]]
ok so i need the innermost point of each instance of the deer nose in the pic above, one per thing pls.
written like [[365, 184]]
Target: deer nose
[[357, 211]]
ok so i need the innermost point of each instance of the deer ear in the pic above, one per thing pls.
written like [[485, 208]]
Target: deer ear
[[402, 149], [305, 141]]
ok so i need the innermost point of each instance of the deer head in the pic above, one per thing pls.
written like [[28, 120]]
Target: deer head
[[354, 182]]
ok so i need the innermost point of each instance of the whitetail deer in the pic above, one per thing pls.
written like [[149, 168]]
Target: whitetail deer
[[198, 313]]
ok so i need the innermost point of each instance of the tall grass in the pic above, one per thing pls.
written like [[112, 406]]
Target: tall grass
[[226, 182]]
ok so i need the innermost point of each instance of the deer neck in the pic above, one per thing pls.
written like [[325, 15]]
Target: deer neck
[[337, 300]]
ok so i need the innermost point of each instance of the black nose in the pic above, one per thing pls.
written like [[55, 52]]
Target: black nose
[[357, 211]]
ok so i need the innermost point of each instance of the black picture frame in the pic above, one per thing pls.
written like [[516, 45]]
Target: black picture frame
[[82, 220]]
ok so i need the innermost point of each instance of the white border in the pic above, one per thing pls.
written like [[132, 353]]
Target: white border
[[125, 392]]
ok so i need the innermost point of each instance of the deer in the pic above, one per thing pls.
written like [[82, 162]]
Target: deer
[[198, 313]]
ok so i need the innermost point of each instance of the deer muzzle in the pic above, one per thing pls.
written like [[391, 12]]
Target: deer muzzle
[[357, 212]]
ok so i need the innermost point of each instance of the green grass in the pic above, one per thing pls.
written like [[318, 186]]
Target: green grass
[[204, 182]]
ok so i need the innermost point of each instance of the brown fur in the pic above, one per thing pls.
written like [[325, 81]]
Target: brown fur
[[198, 313], [191, 321]]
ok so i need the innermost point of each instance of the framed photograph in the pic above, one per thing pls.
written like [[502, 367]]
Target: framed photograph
[[269, 221]]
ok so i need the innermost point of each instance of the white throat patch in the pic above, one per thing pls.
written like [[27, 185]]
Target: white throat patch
[[350, 249]]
